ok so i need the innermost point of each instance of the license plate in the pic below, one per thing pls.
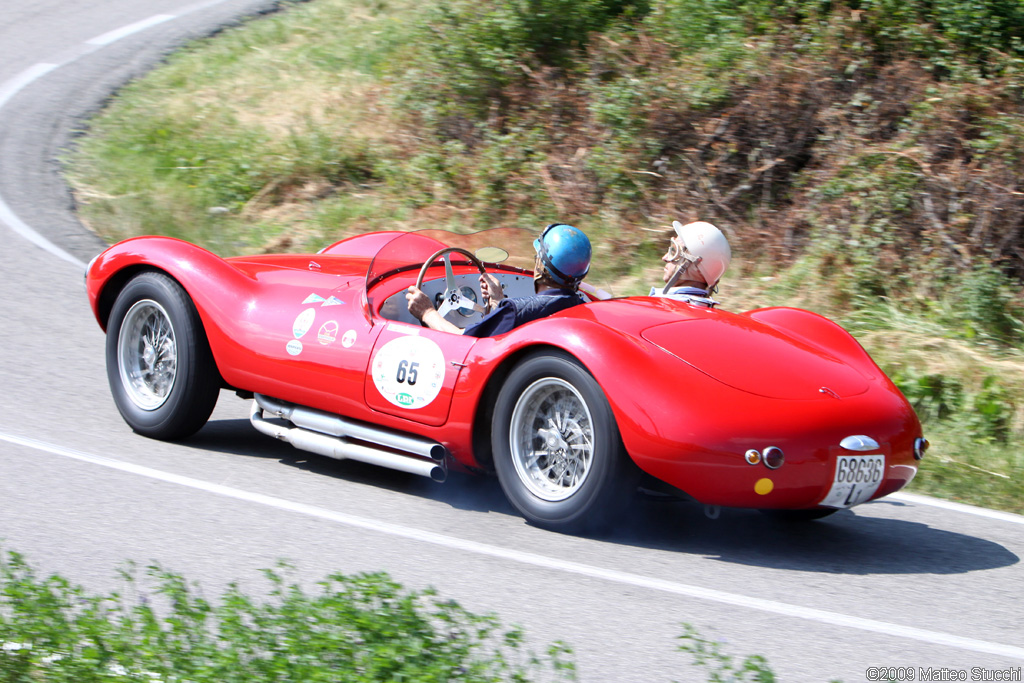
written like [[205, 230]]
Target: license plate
[[857, 478]]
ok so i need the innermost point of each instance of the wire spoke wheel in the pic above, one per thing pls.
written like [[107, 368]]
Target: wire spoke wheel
[[148, 354], [161, 370], [552, 439], [557, 450]]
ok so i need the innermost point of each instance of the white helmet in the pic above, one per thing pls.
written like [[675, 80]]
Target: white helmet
[[706, 242]]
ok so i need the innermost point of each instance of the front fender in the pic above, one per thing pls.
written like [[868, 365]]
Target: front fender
[[199, 271], [217, 289]]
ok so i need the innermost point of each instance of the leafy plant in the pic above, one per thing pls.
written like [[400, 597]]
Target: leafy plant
[[723, 668], [358, 628]]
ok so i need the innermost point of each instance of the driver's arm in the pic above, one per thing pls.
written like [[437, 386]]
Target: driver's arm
[[421, 309]]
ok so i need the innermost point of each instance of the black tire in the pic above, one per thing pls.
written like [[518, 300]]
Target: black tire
[[799, 516], [159, 365], [585, 492]]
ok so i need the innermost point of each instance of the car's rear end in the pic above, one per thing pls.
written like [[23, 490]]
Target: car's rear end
[[775, 409]]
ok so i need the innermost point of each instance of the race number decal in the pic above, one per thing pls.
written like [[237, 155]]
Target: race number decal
[[409, 371], [857, 478]]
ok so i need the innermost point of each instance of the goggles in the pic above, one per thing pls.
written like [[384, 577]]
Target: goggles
[[677, 253]]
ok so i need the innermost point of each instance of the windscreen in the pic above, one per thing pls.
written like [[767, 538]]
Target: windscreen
[[508, 247]]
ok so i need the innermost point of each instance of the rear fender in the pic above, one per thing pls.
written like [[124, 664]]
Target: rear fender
[[638, 379]]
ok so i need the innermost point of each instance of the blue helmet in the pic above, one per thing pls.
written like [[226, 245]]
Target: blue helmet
[[565, 253]]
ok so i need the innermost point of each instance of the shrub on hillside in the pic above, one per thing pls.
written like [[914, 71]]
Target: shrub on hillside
[[881, 127], [480, 50]]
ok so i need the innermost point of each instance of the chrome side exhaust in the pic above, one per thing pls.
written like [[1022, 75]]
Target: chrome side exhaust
[[332, 435]]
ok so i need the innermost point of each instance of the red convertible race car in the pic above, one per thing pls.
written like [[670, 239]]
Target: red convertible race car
[[782, 410]]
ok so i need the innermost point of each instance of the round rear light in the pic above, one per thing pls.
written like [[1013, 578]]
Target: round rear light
[[752, 457], [920, 446], [773, 457]]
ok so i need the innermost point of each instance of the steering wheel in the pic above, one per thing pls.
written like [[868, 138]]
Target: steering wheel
[[453, 299]]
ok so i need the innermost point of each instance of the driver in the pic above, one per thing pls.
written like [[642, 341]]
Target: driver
[[697, 256], [561, 262]]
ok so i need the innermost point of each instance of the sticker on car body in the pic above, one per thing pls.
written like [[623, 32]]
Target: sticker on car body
[[303, 322], [856, 479], [409, 371], [328, 332]]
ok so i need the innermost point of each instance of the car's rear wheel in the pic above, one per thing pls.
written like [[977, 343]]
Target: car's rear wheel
[[159, 365], [557, 449]]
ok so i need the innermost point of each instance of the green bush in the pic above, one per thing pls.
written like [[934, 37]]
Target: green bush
[[358, 628], [933, 396], [984, 306], [984, 415], [355, 629], [977, 27]]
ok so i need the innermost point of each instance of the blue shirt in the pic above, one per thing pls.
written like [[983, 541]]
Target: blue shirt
[[511, 313]]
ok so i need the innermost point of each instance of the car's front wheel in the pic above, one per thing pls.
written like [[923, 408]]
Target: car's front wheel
[[159, 365], [557, 449]]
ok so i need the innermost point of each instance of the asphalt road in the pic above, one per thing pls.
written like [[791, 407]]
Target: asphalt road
[[905, 582]]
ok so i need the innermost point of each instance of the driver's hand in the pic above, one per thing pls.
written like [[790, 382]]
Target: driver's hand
[[491, 289], [419, 303]]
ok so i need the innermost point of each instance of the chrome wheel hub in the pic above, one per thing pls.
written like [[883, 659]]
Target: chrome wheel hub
[[552, 439], [147, 354]]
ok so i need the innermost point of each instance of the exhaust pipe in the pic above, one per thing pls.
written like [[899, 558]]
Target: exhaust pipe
[[332, 439], [335, 425]]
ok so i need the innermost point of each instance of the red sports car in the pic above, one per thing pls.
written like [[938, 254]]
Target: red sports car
[[782, 409]]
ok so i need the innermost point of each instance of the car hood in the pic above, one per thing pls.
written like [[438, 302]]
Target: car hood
[[753, 357]]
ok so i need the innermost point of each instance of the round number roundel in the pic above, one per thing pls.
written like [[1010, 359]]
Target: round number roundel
[[409, 371]]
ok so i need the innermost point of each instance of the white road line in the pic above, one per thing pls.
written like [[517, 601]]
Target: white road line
[[7, 215], [543, 561], [22, 80], [17, 225], [125, 31], [13, 86], [958, 507]]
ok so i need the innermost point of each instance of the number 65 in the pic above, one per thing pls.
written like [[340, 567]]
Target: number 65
[[407, 372]]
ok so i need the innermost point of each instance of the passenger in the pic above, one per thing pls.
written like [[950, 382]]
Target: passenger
[[697, 256], [561, 262]]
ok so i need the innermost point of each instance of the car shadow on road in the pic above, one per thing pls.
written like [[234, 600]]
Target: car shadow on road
[[872, 539]]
